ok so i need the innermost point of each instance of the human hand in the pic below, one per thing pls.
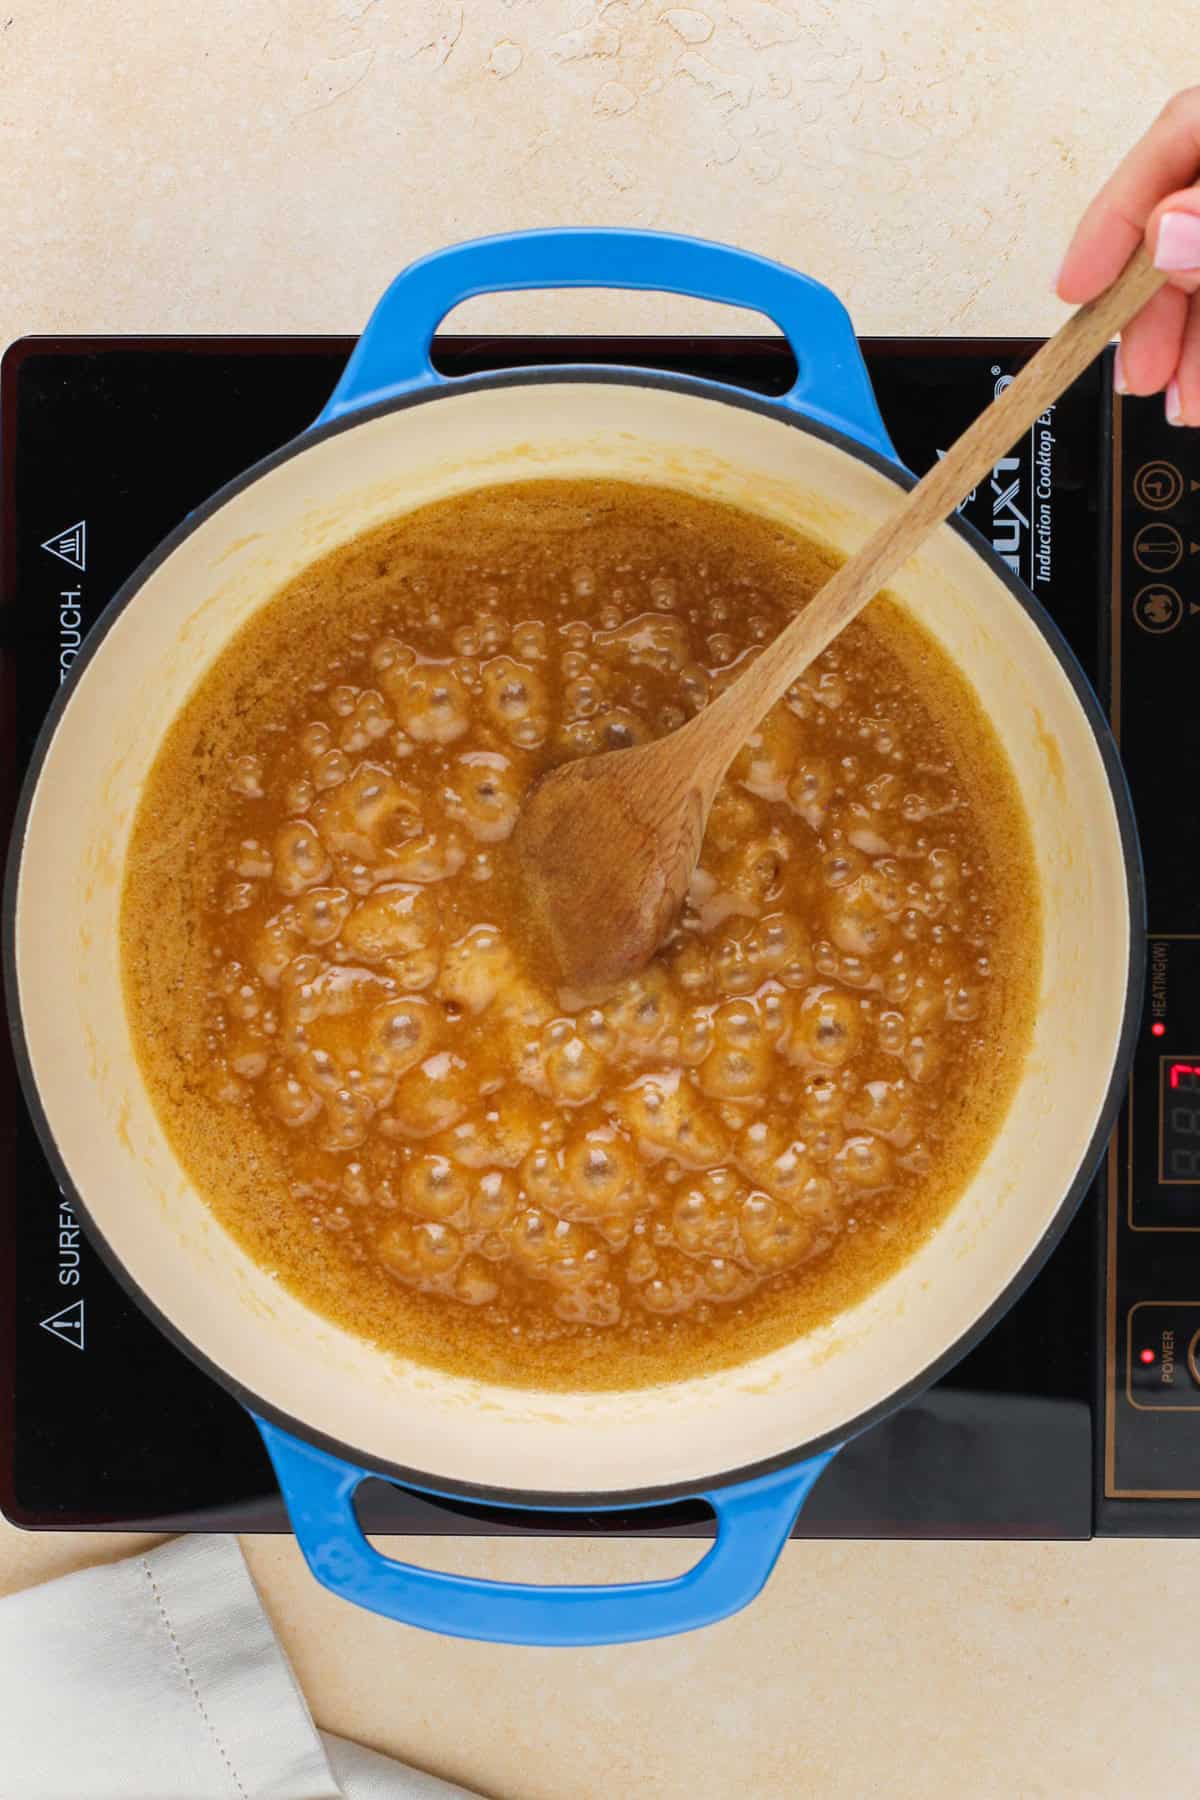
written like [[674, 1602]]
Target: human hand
[[1149, 195]]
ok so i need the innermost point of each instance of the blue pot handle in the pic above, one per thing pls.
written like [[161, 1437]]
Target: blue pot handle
[[753, 1522], [392, 355]]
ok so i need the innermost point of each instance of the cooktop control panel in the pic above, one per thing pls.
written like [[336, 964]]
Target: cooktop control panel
[[1151, 1373]]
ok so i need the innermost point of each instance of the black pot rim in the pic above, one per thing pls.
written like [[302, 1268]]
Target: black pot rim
[[568, 1500]]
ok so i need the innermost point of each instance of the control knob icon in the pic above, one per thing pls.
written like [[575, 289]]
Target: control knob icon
[[1157, 608], [1158, 485]]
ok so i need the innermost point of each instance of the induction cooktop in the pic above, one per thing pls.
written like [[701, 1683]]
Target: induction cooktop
[[1080, 1412]]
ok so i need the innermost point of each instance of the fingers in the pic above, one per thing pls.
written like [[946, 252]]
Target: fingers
[[1183, 390], [1174, 234], [1151, 344], [1160, 348], [1167, 158]]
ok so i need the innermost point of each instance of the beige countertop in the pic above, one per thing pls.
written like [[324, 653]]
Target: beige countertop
[[907, 1671], [267, 165]]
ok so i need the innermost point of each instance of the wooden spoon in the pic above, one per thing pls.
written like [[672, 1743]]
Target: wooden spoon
[[606, 846]]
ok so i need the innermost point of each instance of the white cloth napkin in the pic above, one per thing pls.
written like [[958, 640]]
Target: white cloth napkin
[[160, 1678]]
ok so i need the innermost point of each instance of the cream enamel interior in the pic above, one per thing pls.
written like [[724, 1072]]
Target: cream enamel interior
[[107, 1133]]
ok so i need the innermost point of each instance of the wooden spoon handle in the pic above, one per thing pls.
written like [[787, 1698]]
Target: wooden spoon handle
[[1043, 379]]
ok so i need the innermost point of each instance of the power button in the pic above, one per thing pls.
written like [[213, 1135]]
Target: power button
[[1158, 485], [1162, 1356]]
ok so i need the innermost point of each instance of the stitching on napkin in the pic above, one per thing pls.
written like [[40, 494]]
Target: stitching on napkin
[[195, 1691]]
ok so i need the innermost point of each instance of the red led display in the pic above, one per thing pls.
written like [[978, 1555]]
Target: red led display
[[1179, 1121]]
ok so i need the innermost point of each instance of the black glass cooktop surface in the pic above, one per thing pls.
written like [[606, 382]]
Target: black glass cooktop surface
[[106, 444]]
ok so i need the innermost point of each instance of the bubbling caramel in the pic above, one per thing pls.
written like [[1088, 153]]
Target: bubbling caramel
[[348, 1037]]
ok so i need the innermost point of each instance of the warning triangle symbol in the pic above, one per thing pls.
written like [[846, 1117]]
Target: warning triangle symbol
[[1193, 485], [1193, 606], [1192, 549], [67, 1324], [70, 546]]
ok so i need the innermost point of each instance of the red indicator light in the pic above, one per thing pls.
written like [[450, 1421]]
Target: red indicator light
[[1158, 1028], [1147, 1356]]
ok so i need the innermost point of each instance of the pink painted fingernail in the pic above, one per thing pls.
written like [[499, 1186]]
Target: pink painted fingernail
[[1174, 408], [1178, 245], [1057, 279], [1119, 386]]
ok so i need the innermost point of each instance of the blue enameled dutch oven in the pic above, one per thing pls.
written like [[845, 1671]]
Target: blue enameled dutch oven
[[751, 1440]]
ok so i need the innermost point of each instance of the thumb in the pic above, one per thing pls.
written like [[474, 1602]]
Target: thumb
[[1173, 235]]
